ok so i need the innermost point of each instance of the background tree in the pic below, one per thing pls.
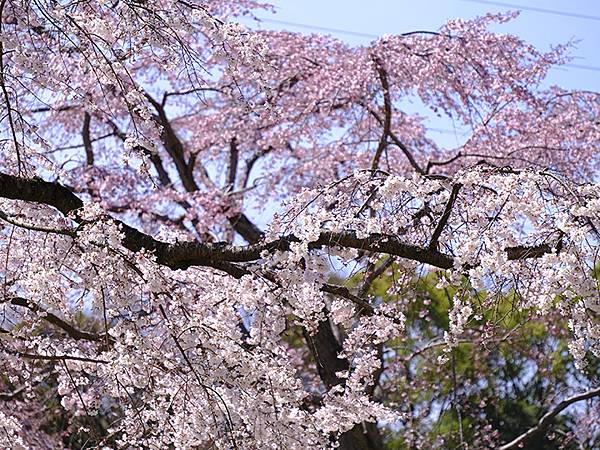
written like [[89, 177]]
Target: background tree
[[505, 371], [403, 295]]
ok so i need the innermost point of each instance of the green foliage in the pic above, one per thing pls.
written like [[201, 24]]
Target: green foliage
[[505, 379]]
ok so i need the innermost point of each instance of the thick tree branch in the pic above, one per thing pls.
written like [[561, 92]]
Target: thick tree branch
[[547, 420], [246, 228], [39, 191], [325, 349], [233, 163], [174, 147], [87, 142], [223, 256]]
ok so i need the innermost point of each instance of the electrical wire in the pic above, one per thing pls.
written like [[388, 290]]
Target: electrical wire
[[374, 36], [535, 9]]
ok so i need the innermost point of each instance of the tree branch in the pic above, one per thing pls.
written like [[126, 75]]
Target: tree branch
[[87, 142], [154, 157], [224, 257], [60, 358], [373, 274], [344, 292], [174, 147], [246, 228], [57, 321], [26, 226], [8, 396], [411, 159], [251, 161], [387, 121], [233, 163], [433, 244], [547, 419], [430, 163]]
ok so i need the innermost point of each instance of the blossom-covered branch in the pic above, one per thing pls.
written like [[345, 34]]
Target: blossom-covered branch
[[186, 254]]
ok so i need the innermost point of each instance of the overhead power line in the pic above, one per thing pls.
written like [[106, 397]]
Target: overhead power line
[[374, 36], [318, 28], [582, 67], [536, 9]]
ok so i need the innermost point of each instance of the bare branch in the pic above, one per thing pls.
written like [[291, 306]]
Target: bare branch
[[250, 162], [411, 159], [430, 163]]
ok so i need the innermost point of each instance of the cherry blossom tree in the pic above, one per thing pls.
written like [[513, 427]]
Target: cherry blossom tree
[[214, 237]]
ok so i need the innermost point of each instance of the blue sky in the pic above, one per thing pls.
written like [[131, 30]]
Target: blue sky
[[377, 17]]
